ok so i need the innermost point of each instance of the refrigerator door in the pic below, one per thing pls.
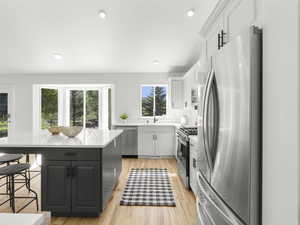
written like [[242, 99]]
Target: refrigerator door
[[235, 164], [210, 208], [205, 166]]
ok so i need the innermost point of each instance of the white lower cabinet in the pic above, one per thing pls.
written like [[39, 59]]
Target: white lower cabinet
[[156, 141], [147, 143]]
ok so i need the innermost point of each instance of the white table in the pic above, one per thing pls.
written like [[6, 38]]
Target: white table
[[21, 219]]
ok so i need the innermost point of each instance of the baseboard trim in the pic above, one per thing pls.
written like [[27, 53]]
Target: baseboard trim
[[129, 156]]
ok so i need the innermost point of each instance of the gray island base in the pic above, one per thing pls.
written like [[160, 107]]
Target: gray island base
[[78, 176]]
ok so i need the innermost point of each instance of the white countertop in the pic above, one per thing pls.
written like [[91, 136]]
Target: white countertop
[[21, 219], [138, 124], [88, 138]]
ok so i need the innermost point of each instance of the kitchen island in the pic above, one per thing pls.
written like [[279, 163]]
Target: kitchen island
[[78, 174]]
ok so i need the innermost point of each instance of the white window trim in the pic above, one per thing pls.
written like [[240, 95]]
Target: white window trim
[[141, 98]]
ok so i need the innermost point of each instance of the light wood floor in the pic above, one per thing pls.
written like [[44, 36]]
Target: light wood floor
[[183, 214]]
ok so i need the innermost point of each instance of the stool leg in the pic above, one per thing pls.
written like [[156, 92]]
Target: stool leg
[[9, 191], [30, 190], [7, 181], [7, 185], [29, 178], [12, 193]]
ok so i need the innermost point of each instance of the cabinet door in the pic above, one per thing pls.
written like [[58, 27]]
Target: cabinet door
[[86, 195], [56, 186], [193, 167], [129, 142], [108, 173], [148, 144], [118, 157], [177, 94], [212, 36], [187, 90], [238, 15], [165, 143]]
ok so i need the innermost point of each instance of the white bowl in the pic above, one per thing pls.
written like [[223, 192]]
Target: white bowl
[[54, 130], [71, 131]]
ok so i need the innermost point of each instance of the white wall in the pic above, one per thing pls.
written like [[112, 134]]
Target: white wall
[[126, 94], [280, 112]]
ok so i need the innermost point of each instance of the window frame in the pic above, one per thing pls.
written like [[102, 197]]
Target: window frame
[[141, 99], [59, 105], [63, 108], [84, 89]]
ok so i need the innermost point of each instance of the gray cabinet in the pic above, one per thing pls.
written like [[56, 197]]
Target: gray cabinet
[[56, 186], [85, 186], [108, 173], [71, 187], [75, 187], [111, 168], [129, 141]]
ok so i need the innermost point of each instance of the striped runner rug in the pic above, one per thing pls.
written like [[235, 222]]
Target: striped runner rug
[[148, 187]]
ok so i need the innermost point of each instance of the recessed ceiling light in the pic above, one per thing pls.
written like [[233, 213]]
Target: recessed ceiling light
[[155, 62], [57, 56], [102, 14], [190, 13]]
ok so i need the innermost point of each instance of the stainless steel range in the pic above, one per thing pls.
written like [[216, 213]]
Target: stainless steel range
[[183, 153]]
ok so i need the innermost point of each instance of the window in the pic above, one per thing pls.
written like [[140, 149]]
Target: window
[[4, 116], [84, 108], [49, 100], [154, 100], [63, 105]]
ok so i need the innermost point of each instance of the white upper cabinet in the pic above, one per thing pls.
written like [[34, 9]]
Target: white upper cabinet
[[177, 96], [238, 15], [227, 20], [213, 38], [190, 84]]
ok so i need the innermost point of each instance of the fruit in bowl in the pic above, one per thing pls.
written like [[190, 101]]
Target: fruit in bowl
[[71, 131], [54, 130]]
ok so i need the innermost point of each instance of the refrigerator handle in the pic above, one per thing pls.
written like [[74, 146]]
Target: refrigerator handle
[[205, 120], [216, 119]]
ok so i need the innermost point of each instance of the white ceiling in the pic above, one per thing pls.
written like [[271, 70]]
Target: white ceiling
[[135, 33]]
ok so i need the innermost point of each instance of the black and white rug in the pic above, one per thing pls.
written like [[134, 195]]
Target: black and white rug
[[148, 187]]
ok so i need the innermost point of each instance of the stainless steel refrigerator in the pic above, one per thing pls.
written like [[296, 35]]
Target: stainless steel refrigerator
[[229, 173]]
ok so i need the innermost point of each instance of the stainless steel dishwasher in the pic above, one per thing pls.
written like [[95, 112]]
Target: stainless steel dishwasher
[[129, 141]]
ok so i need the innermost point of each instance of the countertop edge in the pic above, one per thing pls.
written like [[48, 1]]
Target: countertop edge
[[145, 124], [114, 136]]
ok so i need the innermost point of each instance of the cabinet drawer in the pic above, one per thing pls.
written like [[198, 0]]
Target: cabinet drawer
[[73, 154]]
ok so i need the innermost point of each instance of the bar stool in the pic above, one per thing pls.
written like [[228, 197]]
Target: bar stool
[[7, 159], [10, 171]]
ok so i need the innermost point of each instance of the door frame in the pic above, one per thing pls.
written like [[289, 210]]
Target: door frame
[[10, 90]]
